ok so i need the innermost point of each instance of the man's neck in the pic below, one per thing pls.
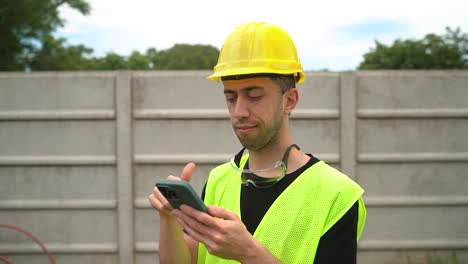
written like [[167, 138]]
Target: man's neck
[[267, 156]]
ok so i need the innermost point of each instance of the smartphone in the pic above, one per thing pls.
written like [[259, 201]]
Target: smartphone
[[180, 192]]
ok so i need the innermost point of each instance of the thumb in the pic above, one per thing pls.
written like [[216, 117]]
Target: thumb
[[187, 172]]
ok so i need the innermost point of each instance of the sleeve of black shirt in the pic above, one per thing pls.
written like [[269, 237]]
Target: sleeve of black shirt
[[339, 245]]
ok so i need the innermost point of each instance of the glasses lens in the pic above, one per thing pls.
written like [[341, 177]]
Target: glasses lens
[[261, 178]]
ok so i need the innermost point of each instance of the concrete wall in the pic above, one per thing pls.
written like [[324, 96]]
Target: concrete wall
[[80, 152]]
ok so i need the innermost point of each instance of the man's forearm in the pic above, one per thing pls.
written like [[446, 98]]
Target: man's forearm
[[172, 246], [259, 254]]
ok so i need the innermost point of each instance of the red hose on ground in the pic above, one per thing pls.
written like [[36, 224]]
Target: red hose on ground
[[7, 261], [44, 249]]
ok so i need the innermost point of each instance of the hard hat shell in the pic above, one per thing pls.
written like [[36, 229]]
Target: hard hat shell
[[258, 47]]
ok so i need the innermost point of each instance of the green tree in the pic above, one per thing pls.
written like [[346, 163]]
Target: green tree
[[448, 51], [54, 55], [185, 57], [152, 55], [24, 24], [112, 61], [27, 43], [138, 61]]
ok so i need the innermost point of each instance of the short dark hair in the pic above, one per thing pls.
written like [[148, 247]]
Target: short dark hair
[[285, 82]]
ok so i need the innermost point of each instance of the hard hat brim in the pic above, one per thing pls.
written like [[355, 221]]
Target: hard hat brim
[[219, 74]]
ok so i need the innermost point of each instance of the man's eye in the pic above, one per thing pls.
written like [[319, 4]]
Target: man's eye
[[230, 99], [255, 97], [255, 94]]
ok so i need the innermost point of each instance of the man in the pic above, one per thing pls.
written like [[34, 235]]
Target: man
[[274, 204]]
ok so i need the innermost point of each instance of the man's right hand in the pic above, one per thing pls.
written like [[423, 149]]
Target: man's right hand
[[174, 245], [159, 202]]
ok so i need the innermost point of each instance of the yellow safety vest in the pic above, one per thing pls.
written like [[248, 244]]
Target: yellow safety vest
[[293, 225]]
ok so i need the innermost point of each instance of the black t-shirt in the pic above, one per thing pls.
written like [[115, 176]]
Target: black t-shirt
[[337, 245]]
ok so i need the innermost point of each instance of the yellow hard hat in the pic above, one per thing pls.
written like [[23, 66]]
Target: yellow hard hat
[[258, 47]]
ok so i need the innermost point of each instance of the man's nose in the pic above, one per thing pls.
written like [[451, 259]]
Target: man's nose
[[241, 109]]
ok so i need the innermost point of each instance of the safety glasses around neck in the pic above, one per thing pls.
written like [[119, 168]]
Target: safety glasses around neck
[[265, 177]]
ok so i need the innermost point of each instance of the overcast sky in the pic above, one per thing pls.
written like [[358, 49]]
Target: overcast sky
[[329, 34]]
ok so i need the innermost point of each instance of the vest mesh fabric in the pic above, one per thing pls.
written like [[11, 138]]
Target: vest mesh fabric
[[292, 227]]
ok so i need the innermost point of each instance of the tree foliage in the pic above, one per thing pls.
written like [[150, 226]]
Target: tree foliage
[[26, 23], [54, 55], [186, 57], [448, 51], [27, 43], [112, 61], [178, 57]]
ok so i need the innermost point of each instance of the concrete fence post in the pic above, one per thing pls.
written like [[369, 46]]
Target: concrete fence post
[[123, 104], [348, 106]]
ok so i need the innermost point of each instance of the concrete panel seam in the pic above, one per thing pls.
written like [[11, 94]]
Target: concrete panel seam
[[315, 114], [413, 113], [29, 115], [200, 114], [181, 114], [413, 157], [20, 248], [389, 244], [53, 204], [147, 247], [415, 201], [205, 158], [71, 160]]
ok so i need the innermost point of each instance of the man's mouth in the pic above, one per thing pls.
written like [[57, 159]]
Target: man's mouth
[[245, 128]]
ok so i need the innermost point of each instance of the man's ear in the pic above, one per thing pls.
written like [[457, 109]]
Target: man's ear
[[291, 98]]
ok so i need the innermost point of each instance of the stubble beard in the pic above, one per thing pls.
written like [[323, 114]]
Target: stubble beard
[[266, 137]]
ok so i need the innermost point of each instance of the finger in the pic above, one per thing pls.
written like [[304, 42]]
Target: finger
[[160, 197], [187, 172], [174, 178], [154, 202], [193, 227], [222, 213], [197, 220], [193, 233]]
